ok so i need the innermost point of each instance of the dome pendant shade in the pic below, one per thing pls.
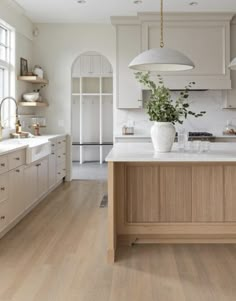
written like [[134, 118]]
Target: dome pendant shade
[[232, 65], [162, 59]]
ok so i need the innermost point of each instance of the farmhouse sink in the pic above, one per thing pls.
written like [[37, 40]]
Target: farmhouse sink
[[35, 148]]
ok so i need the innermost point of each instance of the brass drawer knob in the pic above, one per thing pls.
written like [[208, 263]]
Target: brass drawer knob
[[3, 188], [2, 164], [17, 158], [17, 170], [3, 217]]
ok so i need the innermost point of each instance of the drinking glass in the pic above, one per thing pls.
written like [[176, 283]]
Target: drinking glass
[[182, 139]]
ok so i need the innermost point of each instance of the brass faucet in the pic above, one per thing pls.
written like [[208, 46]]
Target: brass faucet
[[10, 98]]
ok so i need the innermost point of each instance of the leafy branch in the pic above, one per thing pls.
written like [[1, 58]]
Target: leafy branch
[[160, 106]]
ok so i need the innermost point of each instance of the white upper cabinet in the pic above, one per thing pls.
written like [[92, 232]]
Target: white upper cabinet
[[91, 65], [204, 38], [128, 46]]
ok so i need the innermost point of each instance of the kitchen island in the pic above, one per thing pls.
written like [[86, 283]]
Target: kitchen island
[[176, 197]]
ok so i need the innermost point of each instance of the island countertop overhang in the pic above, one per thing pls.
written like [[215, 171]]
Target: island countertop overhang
[[144, 152]]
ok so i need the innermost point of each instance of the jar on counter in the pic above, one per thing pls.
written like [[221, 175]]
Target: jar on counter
[[229, 129]]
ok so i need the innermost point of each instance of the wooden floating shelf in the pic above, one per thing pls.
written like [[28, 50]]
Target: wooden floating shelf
[[32, 104], [33, 79]]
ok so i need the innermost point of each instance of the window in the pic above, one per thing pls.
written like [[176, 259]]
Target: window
[[7, 73]]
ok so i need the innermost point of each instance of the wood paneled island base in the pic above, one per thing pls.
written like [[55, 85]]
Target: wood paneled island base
[[171, 202]]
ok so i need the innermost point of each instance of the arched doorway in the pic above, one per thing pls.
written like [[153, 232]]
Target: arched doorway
[[92, 114]]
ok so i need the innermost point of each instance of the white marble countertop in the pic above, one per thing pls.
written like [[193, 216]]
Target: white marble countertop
[[10, 145], [144, 152], [149, 137]]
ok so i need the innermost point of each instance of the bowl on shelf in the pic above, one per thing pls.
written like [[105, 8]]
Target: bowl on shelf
[[34, 96]]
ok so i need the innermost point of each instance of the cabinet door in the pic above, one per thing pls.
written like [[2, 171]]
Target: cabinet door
[[207, 194], [90, 65], [4, 214], [106, 68], [129, 90], [30, 179], [142, 194], [175, 194], [52, 169], [42, 177], [16, 192], [229, 193], [205, 43]]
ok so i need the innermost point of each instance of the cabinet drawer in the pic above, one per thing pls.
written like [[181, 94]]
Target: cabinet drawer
[[16, 159], [61, 172], [61, 142], [3, 164], [61, 155], [4, 187], [53, 144], [4, 211]]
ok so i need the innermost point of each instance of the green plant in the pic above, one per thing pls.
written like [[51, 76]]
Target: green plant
[[160, 106]]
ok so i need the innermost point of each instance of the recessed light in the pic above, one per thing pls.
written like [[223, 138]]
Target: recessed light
[[138, 1], [81, 1], [193, 3]]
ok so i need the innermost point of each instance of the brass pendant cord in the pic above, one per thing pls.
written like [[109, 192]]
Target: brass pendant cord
[[161, 28]]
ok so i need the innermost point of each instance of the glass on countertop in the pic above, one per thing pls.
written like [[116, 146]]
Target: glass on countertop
[[182, 139]]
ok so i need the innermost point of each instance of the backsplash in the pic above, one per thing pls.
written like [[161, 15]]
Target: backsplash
[[210, 101]]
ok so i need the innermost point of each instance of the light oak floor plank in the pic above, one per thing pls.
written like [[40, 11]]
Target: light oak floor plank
[[58, 253]]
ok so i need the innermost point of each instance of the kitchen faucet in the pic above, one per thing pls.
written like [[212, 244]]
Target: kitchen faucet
[[10, 98]]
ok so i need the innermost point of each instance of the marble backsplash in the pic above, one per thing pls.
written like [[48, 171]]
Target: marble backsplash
[[213, 121]]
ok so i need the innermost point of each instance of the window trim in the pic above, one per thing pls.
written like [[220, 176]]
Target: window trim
[[8, 65]]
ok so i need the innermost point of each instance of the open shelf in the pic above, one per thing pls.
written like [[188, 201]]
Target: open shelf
[[33, 79], [32, 104]]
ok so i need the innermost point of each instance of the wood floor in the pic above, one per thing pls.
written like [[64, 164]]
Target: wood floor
[[58, 253]]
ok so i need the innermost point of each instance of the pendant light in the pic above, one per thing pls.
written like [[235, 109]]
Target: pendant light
[[161, 59], [232, 65]]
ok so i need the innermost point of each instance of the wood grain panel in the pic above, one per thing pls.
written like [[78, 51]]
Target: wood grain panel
[[207, 194], [175, 194], [142, 194], [229, 193]]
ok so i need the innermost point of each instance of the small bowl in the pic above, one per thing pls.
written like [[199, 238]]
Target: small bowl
[[34, 96]]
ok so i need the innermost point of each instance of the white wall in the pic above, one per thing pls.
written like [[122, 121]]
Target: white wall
[[55, 50], [14, 16]]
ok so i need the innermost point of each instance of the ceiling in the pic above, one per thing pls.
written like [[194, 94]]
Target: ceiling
[[99, 11]]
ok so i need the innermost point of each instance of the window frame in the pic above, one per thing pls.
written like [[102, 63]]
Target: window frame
[[8, 66]]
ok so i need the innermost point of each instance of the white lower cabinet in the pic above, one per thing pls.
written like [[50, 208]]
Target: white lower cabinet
[[52, 160], [23, 185], [36, 181], [16, 192], [30, 183], [42, 177]]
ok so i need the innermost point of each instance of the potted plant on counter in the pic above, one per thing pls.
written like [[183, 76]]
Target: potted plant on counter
[[164, 111]]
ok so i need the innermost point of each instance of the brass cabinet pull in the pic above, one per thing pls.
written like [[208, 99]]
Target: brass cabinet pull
[[17, 158], [2, 164], [3, 188], [52, 153], [53, 144], [3, 217], [58, 173], [59, 156], [39, 164], [17, 170]]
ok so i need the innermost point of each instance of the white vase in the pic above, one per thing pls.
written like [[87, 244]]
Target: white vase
[[163, 136]]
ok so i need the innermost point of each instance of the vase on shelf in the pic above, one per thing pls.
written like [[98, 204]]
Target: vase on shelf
[[163, 136]]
